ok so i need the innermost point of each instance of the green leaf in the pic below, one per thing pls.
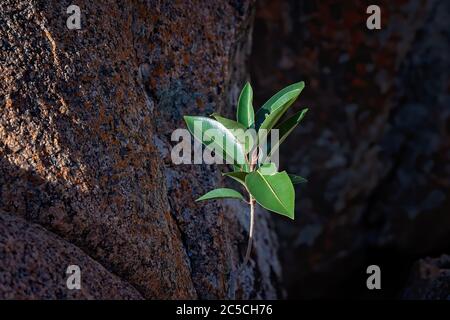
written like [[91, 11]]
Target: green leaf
[[273, 192], [268, 115], [297, 179], [238, 130], [245, 113], [268, 168], [290, 124], [286, 128], [230, 148], [228, 123], [239, 176], [221, 193]]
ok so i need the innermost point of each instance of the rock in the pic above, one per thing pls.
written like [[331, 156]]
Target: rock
[[33, 265], [85, 123], [374, 144], [429, 280]]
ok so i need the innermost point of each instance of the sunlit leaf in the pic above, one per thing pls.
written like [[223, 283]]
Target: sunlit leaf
[[245, 113], [274, 192], [239, 176], [228, 123], [231, 150], [239, 131], [268, 115], [221, 193]]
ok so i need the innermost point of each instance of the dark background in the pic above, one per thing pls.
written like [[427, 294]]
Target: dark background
[[374, 145]]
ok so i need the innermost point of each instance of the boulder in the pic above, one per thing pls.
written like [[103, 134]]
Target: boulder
[[85, 123], [33, 265]]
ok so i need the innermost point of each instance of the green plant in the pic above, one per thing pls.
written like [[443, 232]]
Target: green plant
[[271, 189]]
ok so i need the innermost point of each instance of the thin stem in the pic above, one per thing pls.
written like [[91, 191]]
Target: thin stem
[[235, 274], [250, 232], [252, 216], [251, 202]]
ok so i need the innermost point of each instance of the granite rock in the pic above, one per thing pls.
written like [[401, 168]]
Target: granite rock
[[85, 123], [33, 264]]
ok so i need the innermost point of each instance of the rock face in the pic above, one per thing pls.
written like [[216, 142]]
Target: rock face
[[32, 261], [85, 123], [429, 280], [374, 145]]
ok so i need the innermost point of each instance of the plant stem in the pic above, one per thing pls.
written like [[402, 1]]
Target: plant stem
[[251, 202], [235, 274], [250, 232]]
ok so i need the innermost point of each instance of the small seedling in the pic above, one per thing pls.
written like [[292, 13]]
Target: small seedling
[[271, 189]]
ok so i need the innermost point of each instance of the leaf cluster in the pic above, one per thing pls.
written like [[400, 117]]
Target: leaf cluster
[[271, 189]]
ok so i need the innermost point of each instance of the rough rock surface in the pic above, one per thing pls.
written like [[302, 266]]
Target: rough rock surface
[[429, 280], [33, 263], [375, 144], [85, 123]]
